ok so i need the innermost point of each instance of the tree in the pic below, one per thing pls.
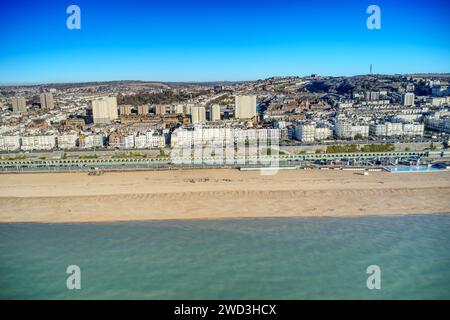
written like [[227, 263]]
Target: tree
[[432, 146], [162, 154]]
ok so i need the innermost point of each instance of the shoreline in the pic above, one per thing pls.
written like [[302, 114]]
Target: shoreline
[[211, 194], [225, 219]]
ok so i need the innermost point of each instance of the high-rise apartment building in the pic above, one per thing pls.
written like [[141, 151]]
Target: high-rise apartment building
[[19, 104], [408, 99], [372, 95], [47, 101], [125, 109], [245, 106], [215, 112], [104, 110], [143, 109], [160, 109], [198, 114]]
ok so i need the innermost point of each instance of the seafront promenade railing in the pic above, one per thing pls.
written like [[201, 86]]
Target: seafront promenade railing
[[283, 160]]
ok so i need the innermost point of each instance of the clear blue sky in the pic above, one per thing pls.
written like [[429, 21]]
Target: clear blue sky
[[186, 40]]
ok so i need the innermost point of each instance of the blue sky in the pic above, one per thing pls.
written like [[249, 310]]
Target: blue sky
[[218, 40]]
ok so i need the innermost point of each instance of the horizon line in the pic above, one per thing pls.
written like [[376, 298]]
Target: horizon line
[[215, 81]]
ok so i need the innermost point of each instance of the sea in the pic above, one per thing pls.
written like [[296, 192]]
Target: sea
[[263, 258]]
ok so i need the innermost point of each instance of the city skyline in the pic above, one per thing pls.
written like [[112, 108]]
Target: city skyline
[[230, 81], [204, 41]]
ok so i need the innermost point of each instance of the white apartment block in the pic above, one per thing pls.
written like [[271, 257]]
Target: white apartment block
[[377, 129], [215, 112], [347, 130], [47, 101], [413, 129], [221, 136], [408, 99], [156, 141], [305, 132], [19, 104], [39, 142], [9, 143], [323, 133], [396, 129], [128, 141], [372, 95], [198, 114], [67, 140], [441, 125], [310, 132], [140, 141], [105, 110], [245, 106], [94, 141], [143, 141]]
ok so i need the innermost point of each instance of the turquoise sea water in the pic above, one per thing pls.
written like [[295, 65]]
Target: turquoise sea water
[[413, 169], [267, 258]]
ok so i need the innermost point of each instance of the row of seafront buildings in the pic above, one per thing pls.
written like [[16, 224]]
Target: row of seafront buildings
[[439, 120], [344, 129], [192, 135], [51, 141], [305, 131], [71, 141], [223, 135]]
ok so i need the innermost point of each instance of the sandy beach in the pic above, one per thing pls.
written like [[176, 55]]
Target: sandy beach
[[210, 194]]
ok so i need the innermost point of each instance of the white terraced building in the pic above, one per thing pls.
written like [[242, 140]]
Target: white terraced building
[[305, 132], [67, 140], [9, 143], [377, 129], [348, 130], [322, 133], [394, 129], [39, 142], [413, 129], [128, 141], [142, 141], [94, 141], [440, 124], [156, 141], [310, 132], [221, 135]]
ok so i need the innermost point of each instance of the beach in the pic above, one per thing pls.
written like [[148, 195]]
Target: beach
[[217, 194]]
